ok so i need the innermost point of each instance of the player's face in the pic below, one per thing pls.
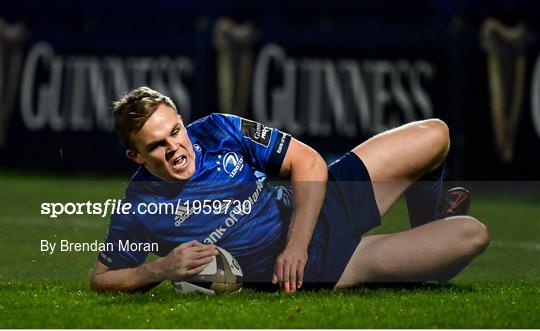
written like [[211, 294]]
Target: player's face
[[163, 146]]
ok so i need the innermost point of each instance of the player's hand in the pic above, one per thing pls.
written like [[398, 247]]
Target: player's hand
[[289, 268], [187, 259]]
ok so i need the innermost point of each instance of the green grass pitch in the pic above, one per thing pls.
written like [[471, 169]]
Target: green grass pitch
[[501, 289]]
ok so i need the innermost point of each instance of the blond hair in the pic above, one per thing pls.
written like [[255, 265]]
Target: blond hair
[[134, 109]]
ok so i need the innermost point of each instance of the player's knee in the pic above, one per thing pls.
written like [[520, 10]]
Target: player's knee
[[436, 141], [439, 136], [482, 238], [476, 235]]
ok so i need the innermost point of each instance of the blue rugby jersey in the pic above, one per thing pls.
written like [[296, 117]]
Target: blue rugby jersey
[[230, 154]]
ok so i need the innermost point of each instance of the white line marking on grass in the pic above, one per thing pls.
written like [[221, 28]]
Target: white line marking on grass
[[531, 246]]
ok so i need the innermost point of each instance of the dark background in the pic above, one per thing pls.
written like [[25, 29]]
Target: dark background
[[86, 35]]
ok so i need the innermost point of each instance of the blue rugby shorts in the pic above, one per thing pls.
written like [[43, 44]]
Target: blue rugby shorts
[[349, 211]]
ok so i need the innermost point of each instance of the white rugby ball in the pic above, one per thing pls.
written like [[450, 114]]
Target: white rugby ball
[[222, 275]]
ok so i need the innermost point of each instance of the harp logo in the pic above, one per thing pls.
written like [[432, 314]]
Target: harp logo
[[234, 43], [506, 65], [12, 38]]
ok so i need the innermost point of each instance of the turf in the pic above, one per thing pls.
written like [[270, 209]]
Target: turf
[[500, 289]]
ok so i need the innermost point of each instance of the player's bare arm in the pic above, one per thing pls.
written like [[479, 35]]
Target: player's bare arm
[[185, 260], [308, 173]]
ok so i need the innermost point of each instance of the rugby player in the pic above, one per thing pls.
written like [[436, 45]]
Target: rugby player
[[309, 236]]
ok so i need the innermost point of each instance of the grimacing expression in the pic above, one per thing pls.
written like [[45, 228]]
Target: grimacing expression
[[163, 146]]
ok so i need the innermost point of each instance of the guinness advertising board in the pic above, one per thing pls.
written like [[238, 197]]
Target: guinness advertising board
[[330, 81]]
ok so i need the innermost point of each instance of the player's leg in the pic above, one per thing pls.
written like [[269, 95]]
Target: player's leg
[[396, 158], [435, 251]]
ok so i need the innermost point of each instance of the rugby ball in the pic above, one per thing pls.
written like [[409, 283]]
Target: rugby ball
[[222, 275]]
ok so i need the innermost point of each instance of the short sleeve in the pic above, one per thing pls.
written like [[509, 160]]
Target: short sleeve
[[125, 233], [264, 146]]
